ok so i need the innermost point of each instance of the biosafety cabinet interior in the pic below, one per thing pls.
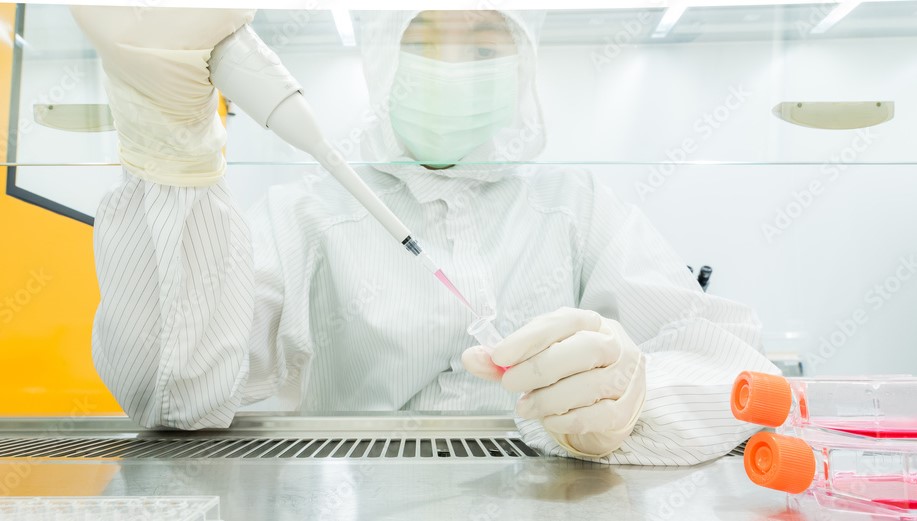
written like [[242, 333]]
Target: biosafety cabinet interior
[[707, 120], [773, 141]]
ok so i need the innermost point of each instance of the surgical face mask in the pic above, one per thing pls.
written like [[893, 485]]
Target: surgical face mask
[[441, 111]]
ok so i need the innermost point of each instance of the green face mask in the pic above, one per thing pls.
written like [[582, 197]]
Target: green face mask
[[443, 111]]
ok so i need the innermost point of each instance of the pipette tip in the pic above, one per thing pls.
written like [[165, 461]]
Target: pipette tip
[[431, 266]]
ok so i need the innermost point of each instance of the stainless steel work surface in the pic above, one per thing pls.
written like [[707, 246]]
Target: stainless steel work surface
[[500, 486]]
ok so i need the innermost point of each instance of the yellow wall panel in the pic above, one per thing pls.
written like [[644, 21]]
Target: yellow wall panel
[[48, 295]]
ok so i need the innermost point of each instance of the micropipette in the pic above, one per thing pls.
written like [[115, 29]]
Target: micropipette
[[252, 76]]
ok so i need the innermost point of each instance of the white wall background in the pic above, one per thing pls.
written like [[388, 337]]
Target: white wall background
[[812, 278]]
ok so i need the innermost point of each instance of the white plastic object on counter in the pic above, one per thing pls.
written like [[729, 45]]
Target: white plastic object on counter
[[105, 508]]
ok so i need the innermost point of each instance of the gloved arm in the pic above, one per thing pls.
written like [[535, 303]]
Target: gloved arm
[[186, 329], [693, 345]]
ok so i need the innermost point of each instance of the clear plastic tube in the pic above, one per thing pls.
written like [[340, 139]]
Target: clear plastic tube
[[855, 474], [483, 330], [842, 445], [875, 406]]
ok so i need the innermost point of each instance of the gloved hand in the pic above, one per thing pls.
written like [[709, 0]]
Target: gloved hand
[[580, 374], [159, 90]]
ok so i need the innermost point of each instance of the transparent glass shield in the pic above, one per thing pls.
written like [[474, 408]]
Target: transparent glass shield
[[772, 142]]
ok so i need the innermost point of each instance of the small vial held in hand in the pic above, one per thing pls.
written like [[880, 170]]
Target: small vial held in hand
[[483, 330]]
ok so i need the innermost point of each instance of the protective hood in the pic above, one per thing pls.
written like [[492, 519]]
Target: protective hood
[[522, 140]]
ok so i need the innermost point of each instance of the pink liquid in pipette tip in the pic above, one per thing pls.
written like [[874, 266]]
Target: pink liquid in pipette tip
[[451, 287]]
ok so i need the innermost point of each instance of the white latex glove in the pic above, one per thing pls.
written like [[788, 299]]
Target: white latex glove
[[159, 90], [580, 374]]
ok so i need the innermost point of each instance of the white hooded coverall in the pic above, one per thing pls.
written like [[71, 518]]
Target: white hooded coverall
[[307, 299]]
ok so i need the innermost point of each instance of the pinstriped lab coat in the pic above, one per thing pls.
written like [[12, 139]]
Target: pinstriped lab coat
[[317, 307], [308, 302]]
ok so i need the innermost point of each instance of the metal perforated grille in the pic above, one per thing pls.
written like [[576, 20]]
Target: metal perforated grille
[[738, 451], [266, 448]]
